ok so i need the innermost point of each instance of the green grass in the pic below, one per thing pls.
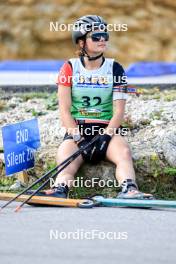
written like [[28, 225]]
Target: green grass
[[170, 171], [84, 192], [158, 180], [145, 122], [3, 105], [156, 115], [156, 94], [29, 96], [37, 113], [52, 102], [51, 165], [6, 182], [170, 97], [153, 176]]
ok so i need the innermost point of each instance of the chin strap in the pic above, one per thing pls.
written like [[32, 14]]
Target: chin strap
[[89, 57], [94, 58]]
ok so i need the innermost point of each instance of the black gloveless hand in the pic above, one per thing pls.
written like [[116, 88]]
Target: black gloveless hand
[[87, 152]]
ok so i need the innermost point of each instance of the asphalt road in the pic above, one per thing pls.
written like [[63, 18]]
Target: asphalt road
[[71, 235]]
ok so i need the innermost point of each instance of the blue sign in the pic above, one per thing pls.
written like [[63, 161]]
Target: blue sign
[[20, 141]]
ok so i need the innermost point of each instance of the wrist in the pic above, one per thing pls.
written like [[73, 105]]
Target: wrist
[[110, 131], [76, 137], [81, 139]]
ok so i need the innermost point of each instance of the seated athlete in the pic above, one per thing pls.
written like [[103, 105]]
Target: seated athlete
[[88, 87]]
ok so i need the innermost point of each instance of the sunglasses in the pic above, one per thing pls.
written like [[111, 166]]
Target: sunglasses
[[96, 36]]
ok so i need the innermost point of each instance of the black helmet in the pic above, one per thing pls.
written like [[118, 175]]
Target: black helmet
[[85, 24]]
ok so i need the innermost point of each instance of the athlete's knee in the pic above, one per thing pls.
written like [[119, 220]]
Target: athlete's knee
[[125, 153], [73, 167], [66, 149], [62, 156]]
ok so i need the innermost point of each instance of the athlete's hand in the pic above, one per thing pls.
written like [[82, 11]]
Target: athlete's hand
[[87, 152], [97, 151]]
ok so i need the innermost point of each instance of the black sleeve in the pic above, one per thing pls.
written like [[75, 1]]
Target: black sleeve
[[119, 76], [69, 62]]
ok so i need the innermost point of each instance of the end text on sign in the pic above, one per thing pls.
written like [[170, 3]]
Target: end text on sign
[[22, 136]]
